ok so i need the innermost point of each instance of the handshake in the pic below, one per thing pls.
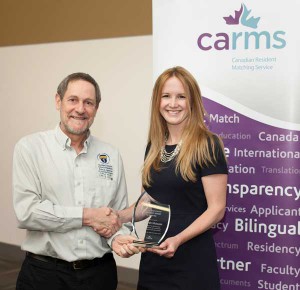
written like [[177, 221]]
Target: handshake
[[106, 222]]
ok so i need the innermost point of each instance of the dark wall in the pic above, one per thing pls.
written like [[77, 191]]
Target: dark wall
[[42, 21]]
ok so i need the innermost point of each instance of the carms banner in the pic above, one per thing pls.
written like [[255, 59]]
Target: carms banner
[[245, 56]]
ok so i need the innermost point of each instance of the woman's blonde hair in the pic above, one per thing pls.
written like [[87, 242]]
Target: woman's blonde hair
[[196, 137]]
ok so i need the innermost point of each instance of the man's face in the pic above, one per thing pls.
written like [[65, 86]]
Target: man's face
[[77, 108]]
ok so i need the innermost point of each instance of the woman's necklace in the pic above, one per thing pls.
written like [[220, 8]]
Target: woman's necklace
[[168, 156]]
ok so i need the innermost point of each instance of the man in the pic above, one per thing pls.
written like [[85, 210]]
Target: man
[[67, 189]]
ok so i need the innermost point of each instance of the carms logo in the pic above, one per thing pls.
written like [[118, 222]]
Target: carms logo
[[242, 40]]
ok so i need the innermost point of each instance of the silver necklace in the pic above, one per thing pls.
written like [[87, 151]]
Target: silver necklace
[[168, 156]]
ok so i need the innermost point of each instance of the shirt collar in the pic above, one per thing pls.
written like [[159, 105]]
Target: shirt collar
[[65, 142]]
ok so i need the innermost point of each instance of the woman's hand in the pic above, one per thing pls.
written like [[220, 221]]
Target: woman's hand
[[167, 248]]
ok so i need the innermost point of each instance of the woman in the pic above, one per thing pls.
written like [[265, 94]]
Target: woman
[[184, 167]]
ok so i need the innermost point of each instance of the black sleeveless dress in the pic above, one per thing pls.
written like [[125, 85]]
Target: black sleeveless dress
[[194, 265]]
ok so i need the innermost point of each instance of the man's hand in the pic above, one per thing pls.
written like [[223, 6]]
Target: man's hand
[[104, 221], [122, 246]]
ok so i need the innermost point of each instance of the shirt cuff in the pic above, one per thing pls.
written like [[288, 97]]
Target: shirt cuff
[[126, 229]]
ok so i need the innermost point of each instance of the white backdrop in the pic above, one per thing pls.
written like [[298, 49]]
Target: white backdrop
[[177, 25]]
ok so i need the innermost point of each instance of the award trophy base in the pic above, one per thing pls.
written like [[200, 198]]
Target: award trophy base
[[144, 244]]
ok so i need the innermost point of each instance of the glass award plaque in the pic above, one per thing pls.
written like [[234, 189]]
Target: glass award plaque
[[150, 221]]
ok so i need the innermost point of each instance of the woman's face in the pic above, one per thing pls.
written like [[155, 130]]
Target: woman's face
[[174, 103]]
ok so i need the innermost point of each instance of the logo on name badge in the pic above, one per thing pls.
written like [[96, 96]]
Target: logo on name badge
[[104, 158]]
